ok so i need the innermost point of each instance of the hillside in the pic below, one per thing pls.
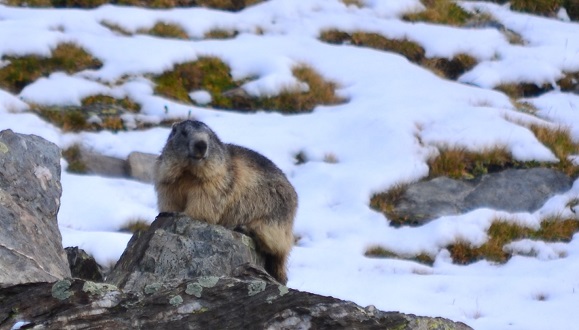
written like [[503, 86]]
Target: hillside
[[353, 100]]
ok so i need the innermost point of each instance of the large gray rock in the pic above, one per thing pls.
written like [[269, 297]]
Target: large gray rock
[[30, 242], [98, 164], [141, 166], [431, 199], [176, 248], [523, 190], [517, 190]]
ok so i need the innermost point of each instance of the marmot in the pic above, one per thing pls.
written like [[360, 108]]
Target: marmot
[[229, 185]]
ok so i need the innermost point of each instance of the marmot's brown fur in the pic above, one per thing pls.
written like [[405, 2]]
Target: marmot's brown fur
[[228, 185]]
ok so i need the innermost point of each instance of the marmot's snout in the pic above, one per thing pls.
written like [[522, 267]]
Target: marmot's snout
[[198, 149]]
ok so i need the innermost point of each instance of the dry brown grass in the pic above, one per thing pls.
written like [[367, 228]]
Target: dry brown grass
[[75, 163], [212, 75], [540, 7], [69, 119], [448, 68], [21, 71], [331, 158], [76, 119], [380, 252], [409, 49], [559, 140], [451, 69], [459, 163], [501, 232], [220, 34], [126, 103], [135, 225], [294, 100], [166, 30], [115, 28], [357, 3], [385, 202], [207, 73], [441, 12], [520, 90], [231, 5]]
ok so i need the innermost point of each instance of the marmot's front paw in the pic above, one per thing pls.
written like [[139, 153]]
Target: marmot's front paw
[[243, 230], [166, 214]]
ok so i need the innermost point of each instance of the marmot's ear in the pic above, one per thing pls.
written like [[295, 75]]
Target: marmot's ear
[[173, 130]]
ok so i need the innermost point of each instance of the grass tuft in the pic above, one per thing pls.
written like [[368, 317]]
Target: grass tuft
[[409, 49], [521, 90], [562, 144], [380, 252], [448, 68], [459, 163], [135, 225], [220, 34], [68, 119], [75, 163], [125, 103], [207, 73], [441, 12], [106, 109], [294, 100], [451, 69], [331, 158], [212, 75], [166, 30], [355, 3], [501, 232], [24, 70], [231, 5], [115, 28], [539, 7], [385, 202]]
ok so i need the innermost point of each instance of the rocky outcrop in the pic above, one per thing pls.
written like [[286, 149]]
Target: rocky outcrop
[[246, 301], [30, 242], [176, 248], [183, 274], [513, 190]]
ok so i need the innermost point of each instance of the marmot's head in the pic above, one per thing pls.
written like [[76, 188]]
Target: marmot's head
[[194, 141]]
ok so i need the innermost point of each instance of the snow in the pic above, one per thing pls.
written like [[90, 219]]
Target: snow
[[201, 97], [396, 116]]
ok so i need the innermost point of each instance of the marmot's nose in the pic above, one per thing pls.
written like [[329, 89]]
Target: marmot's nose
[[199, 150]]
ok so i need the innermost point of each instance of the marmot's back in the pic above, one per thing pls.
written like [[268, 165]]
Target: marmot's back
[[228, 185]]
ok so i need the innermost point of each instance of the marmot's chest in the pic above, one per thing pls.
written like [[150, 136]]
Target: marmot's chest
[[204, 201]]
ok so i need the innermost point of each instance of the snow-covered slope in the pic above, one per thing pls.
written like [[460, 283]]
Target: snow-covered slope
[[396, 115]]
